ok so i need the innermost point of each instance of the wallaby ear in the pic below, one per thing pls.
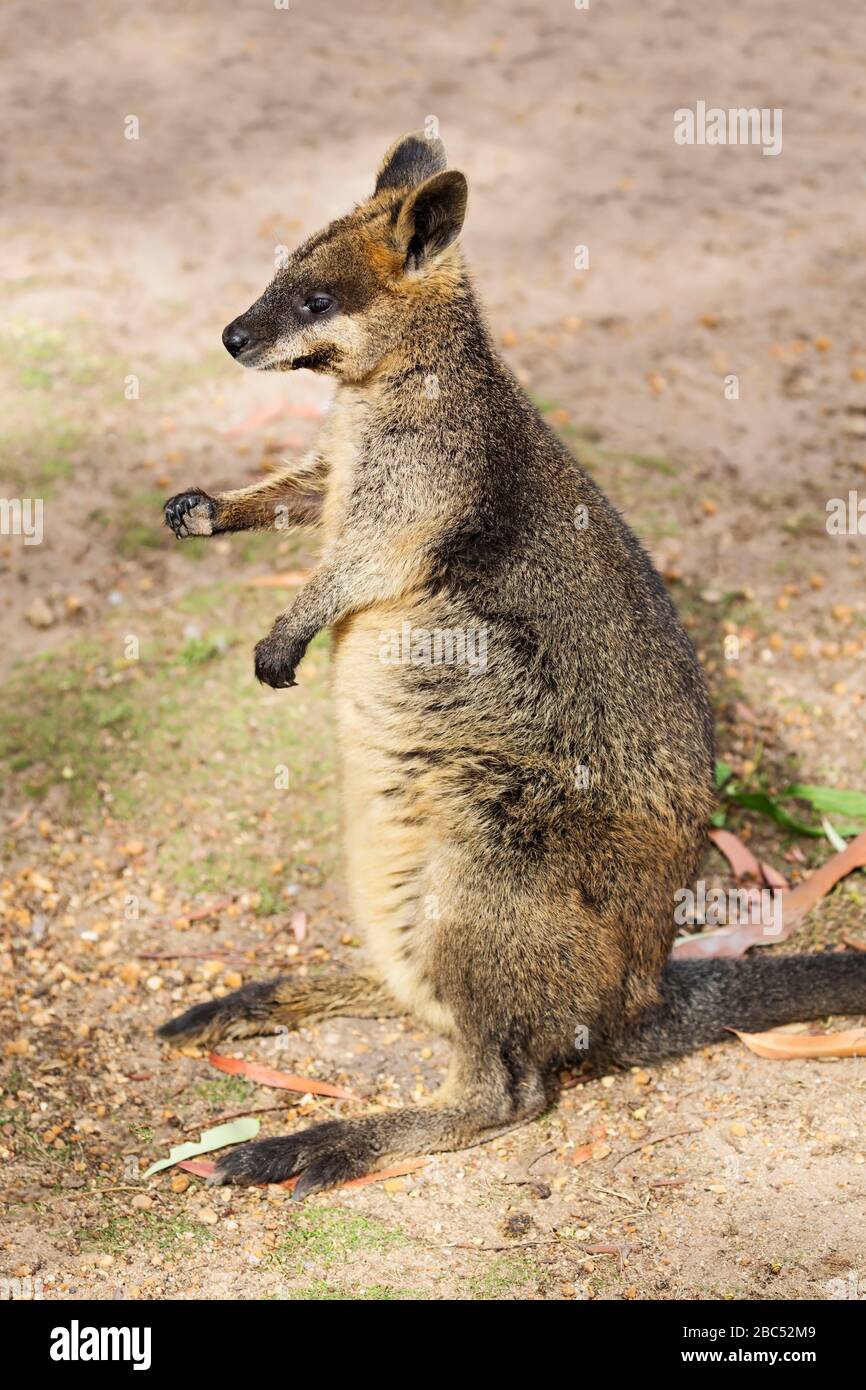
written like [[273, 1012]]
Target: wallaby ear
[[431, 217], [410, 160]]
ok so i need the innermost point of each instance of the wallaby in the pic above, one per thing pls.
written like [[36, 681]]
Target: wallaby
[[517, 826]]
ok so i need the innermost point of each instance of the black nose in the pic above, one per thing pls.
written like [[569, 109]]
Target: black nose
[[235, 339]]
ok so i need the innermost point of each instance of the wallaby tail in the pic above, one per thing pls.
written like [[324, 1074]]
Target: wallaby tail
[[701, 1000]]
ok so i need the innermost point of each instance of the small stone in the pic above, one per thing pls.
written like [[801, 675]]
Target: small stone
[[39, 614], [142, 1203]]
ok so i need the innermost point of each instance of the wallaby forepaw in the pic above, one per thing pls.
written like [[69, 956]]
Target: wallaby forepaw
[[190, 514], [324, 1156], [276, 661]]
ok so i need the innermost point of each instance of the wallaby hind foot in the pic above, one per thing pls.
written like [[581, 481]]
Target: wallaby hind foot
[[278, 1005], [328, 1154]]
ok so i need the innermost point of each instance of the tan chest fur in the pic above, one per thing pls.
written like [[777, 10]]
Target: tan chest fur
[[391, 832], [338, 443], [389, 837]]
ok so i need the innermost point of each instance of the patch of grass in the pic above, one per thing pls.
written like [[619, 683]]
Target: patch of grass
[[805, 523], [653, 463], [377, 1293], [330, 1236], [506, 1274], [654, 524], [269, 902], [38, 455], [125, 734], [211, 598], [198, 650], [221, 1091], [77, 719], [14, 1082], [622, 472], [162, 1233], [56, 380], [165, 380], [137, 522]]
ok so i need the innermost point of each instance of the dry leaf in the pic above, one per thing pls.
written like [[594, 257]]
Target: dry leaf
[[772, 877], [285, 1081], [596, 1150], [741, 859], [308, 411], [784, 1047], [289, 580], [803, 898], [734, 941]]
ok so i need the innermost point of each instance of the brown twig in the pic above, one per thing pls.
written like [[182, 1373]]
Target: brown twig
[[660, 1139], [192, 955], [612, 1192], [234, 1115], [490, 1249]]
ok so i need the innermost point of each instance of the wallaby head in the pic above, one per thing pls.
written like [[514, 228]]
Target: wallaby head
[[348, 297]]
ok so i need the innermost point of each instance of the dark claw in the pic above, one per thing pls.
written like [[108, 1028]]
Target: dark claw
[[177, 507]]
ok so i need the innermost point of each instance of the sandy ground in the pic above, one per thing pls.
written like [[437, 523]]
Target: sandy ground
[[138, 786]]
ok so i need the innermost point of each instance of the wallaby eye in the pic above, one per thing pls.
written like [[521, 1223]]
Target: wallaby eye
[[318, 303]]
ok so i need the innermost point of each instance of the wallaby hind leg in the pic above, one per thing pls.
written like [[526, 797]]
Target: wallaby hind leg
[[272, 1006], [482, 1094]]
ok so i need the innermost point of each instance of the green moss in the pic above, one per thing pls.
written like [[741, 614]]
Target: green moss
[[130, 735], [221, 1091], [505, 1275], [323, 1292], [162, 1233], [330, 1236], [137, 522]]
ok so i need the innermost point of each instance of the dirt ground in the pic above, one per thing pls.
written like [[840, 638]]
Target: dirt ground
[[149, 860]]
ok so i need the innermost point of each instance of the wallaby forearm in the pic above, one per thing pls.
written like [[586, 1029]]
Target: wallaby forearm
[[293, 497], [350, 577]]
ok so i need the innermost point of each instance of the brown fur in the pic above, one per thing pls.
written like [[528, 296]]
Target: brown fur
[[514, 835]]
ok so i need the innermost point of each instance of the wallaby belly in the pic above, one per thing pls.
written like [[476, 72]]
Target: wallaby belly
[[393, 825]]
